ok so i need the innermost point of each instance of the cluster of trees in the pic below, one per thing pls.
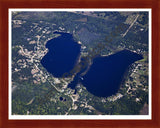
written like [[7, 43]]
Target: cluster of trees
[[36, 99]]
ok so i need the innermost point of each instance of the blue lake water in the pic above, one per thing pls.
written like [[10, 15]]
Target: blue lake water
[[62, 56], [104, 75]]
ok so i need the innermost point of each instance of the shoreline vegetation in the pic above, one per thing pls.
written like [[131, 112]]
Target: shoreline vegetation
[[97, 50]]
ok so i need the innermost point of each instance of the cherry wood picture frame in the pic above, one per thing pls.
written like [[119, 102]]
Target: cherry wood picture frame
[[4, 40]]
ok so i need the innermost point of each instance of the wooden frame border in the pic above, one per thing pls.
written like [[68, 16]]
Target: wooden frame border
[[6, 4]]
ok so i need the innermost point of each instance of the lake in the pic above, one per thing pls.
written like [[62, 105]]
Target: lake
[[63, 54], [105, 74]]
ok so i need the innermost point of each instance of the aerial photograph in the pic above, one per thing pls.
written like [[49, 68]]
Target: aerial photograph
[[79, 62]]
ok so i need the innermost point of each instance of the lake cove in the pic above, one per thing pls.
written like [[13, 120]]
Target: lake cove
[[63, 54], [104, 77]]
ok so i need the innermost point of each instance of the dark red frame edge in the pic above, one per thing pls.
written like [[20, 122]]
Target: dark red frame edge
[[5, 5]]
